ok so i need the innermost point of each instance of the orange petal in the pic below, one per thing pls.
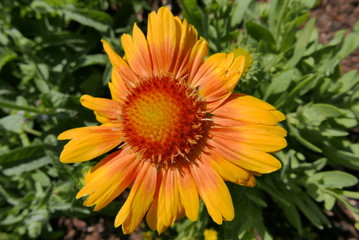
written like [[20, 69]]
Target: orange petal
[[229, 125], [188, 193], [88, 143], [137, 53], [104, 107], [217, 77], [244, 156], [168, 198], [162, 37], [139, 200], [248, 109], [213, 192], [122, 75], [109, 178], [231, 172], [258, 139], [154, 217], [186, 39], [117, 87], [198, 53]]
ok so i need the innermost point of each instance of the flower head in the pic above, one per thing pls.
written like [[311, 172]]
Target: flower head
[[179, 130]]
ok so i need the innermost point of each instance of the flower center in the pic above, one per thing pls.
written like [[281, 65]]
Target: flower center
[[163, 119]]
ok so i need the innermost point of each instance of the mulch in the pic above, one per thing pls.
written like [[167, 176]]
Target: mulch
[[335, 15]]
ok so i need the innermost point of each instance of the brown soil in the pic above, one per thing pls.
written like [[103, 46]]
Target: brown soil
[[334, 15]]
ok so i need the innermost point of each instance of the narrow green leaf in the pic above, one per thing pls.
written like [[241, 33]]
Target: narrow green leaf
[[22, 153], [238, 12], [98, 20], [279, 84], [193, 13], [6, 56], [329, 201], [26, 165], [12, 123], [315, 114], [351, 42], [350, 194], [335, 179], [261, 33], [303, 38], [292, 214], [341, 157], [11, 105], [295, 132], [88, 60]]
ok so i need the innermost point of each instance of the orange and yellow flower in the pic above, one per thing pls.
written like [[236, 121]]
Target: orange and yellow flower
[[178, 129]]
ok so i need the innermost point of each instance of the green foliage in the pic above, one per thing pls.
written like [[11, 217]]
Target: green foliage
[[301, 77], [50, 54]]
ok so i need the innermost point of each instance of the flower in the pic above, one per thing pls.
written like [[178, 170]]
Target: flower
[[178, 129], [210, 234]]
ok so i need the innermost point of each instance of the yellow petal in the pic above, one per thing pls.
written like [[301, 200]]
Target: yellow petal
[[217, 77], [137, 53], [122, 74], [105, 107], [214, 192], [264, 141], [244, 155], [231, 172], [230, 125], [168, 198], [248, 109], [162, 38], [198, 53], [108, 179], [88, 143], [139, 200], [186, 39], [188, 193]]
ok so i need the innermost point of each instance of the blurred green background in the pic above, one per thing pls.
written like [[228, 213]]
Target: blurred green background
[[50, 54]]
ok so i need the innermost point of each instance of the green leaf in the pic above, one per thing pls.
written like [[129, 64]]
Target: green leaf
[[26, 165], [331, 132], [290, 30], [320, 164], [311, 211], [9, 236], [341, 157], [335, 179], [193, 13], [303, 37], [347, 82], [315, 114], [279, 84], [22, 153], [238, 12], [295, 132], [12, 122], [40, 177], [350, 194], [88, 60], [11, 105], [351, 42], [98, 20], [329, 201], [261, 34], [292, 214], [6, 56]]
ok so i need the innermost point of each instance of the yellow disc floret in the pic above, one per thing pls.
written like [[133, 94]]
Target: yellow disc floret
[[163, 119]]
